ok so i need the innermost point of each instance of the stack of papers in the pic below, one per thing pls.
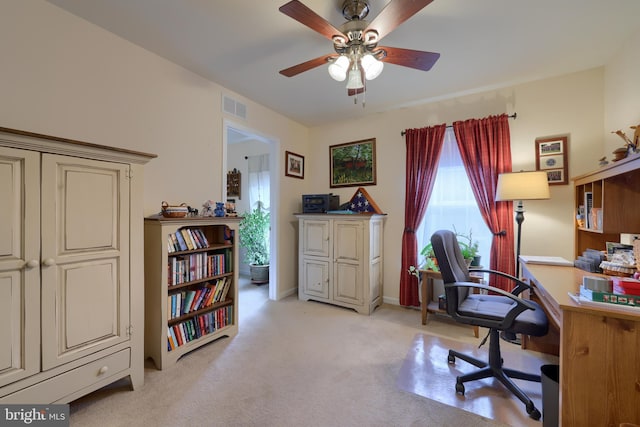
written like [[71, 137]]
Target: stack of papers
[[549, 260]]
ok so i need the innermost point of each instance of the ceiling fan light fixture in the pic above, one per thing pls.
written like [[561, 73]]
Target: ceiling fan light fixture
[[371, 66], [355, 79], [338, 69]]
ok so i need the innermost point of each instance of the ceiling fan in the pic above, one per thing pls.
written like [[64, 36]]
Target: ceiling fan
[[357, 55]]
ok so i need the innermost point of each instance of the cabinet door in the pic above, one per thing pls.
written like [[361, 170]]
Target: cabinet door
[[315, 239], [348, 246], [315, 278], [85, 257], [19, 264]]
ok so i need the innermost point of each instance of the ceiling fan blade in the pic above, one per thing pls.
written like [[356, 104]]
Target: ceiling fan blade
[[351, 92], [410, 58], [306, 66], [394, 14], [308, 17]]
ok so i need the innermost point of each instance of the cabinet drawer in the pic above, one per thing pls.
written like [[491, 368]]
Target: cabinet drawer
[[56, 388]]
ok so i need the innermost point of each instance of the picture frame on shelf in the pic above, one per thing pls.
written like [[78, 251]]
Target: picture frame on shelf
[[552, 158], [353, 164], [294, 165]]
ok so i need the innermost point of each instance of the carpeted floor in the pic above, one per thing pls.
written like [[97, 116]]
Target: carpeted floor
[[426, 372], [293, 363]]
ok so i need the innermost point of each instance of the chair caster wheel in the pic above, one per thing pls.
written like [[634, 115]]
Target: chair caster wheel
[[533, 412], [451, 359], [460, 388]]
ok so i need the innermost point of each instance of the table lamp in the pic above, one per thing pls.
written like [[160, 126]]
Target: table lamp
[[519, 186]]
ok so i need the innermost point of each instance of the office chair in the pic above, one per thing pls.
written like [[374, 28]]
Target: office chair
[[500, 311]]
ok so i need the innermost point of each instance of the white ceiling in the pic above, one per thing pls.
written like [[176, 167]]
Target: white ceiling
[[484, 44]]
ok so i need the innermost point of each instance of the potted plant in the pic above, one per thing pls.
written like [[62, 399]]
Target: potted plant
[[468, 247], [254, 237], [430, 262]]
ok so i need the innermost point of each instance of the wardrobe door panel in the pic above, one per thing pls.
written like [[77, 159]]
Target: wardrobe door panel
[[19, 264], [85, 252]]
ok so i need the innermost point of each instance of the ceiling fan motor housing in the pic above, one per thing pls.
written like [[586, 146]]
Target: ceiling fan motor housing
[[355, 9]]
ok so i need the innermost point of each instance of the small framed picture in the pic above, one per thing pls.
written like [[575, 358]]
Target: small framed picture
[[552, 157], [294, 165]]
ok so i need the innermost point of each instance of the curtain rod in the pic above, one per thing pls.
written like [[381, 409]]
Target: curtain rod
[[512, 116]]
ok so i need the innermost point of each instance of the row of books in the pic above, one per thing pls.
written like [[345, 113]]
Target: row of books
[[187, 239], [188, 301], [192, 329], [196, 266]]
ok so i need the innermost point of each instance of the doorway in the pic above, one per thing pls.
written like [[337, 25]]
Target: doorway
[[242, 147]]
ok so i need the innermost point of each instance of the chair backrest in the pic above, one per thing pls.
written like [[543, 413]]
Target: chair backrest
[[453, 267]]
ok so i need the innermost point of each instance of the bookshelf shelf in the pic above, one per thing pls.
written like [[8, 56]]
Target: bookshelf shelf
[[191, 284]]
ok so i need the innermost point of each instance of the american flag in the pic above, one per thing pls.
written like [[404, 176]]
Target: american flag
[[359, 203]]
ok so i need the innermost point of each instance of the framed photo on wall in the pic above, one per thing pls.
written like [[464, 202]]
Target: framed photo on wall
[[294, 165], [552, 158], [353, 164]]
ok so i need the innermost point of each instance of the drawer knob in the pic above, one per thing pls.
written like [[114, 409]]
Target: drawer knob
[[49, 262], [103, 370]]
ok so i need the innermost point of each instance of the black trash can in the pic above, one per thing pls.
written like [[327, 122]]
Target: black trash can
[[550, 375]]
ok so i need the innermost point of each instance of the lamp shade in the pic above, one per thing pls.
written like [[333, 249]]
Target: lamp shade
[[523, 186], [371, 66], [338, 69]]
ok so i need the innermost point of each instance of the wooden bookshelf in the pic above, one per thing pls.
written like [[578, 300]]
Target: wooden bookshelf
[[191, 290], [616, 191]]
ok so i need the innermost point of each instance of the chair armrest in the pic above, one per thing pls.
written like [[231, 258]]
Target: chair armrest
[[521, 304], [521, 286]]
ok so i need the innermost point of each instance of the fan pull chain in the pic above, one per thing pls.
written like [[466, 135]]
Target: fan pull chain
[[364, 94]]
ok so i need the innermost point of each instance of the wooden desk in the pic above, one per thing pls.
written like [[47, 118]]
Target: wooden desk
[[599, 351], [427, 304]]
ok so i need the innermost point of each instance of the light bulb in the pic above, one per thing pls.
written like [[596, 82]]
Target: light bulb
[[371, 66], [338, 69]]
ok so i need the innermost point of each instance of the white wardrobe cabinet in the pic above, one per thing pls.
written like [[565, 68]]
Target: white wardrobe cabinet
[[340, 260], [71, 275]]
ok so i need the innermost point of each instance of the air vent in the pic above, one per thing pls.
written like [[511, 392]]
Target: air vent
[[233, 107]]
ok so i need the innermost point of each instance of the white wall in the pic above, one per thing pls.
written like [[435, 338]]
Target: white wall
[[622, 94], [63, 76], [571, 104]]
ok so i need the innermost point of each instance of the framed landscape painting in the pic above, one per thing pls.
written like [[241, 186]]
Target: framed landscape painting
[[353, 164]]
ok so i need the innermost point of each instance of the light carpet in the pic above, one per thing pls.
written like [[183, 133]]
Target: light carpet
[[293, 363]]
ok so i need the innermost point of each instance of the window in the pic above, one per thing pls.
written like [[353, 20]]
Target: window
[[259, 181], [452, 204]]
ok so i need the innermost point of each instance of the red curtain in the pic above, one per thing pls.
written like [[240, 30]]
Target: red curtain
[[423, 153], [485, 148]]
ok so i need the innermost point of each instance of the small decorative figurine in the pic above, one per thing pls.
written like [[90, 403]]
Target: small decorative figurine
[[636, 135], [631, 145], [207, 208], [219, 210], [603, 161]]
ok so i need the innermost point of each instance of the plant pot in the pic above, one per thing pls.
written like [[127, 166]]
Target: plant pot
[[259, 273], [475, 262]]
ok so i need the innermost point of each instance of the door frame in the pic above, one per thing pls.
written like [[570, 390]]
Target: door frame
[[274, 189]]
